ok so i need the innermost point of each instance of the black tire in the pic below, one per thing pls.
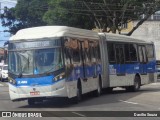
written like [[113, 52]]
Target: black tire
[[98, 92], [130, 89], [109, 90], [31, 101], [78, 97], [136, 86]]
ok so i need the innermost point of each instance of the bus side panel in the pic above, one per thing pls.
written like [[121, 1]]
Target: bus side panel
[[117, 79], [79, 68], [105, 63], [151, 70]]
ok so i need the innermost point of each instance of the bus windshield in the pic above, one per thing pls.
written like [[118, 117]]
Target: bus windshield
[[47, 60], [37, 61]]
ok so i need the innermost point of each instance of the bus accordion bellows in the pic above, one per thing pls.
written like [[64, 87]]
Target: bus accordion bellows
[[61, 61]]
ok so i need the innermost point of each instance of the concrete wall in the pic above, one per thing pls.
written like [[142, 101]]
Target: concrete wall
[[149, 31]]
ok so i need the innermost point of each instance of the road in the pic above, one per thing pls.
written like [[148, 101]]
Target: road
[[147, 99]]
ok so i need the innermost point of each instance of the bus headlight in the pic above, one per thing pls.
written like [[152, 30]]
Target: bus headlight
[[12, 81], [58, 77]]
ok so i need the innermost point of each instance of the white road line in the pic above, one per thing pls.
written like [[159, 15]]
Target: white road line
[[128, 102], [79, 114]]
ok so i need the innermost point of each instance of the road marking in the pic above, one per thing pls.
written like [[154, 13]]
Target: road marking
[[128, 102], [1, 85], [79, 114]]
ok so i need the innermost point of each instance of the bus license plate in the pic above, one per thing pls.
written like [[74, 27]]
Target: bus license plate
[[35, 93]]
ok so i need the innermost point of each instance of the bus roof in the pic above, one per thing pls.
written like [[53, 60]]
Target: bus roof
[[121, 38], [53, 31]]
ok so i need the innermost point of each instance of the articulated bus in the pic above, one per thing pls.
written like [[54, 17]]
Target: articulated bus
[[60, 61]]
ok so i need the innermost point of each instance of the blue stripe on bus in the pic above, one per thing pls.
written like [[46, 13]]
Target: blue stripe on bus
[[47, 80], [132, 68], [91, 71]]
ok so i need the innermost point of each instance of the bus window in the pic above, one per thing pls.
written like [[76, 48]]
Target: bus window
[[133, 53], [72, 53], [140, 54], [86, 52], [111, 52], [48, 60], [144, 54], [76, 55], [119, 54], [150, 51], [127, 52], [97, 51], [92, 52]]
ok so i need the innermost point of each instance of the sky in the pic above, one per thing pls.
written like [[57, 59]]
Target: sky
[[3, 35]]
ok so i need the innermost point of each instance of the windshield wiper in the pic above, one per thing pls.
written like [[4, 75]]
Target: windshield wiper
[[48, 72]]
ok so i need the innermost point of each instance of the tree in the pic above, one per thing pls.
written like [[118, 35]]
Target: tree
[[58, 14], [110, 15], [106, 15], [27, 13]]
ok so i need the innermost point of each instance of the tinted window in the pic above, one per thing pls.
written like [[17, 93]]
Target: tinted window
[[130, 52], [72, 52], [120, 54], [144, 54], [140, 54], [111, 52], [127, 55], [150, 51], [133, 53], [76, 55]]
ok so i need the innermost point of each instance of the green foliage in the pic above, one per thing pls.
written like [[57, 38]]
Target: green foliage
[[58, 14], [106, 15], [27, 13]]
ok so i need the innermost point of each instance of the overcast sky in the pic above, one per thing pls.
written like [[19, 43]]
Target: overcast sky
[[9, 4]]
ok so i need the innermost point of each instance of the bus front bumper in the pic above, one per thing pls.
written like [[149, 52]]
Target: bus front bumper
[[23, 93]]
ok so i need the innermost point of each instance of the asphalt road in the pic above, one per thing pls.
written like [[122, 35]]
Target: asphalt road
[[147, 99]]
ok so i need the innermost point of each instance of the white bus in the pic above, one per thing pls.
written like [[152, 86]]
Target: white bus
[[60, 61]]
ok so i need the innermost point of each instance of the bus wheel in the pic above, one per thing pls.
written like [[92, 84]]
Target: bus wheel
[[79, 92], [137, 84], [78, 97], [31, 101], [98, 92], [109, 90]]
